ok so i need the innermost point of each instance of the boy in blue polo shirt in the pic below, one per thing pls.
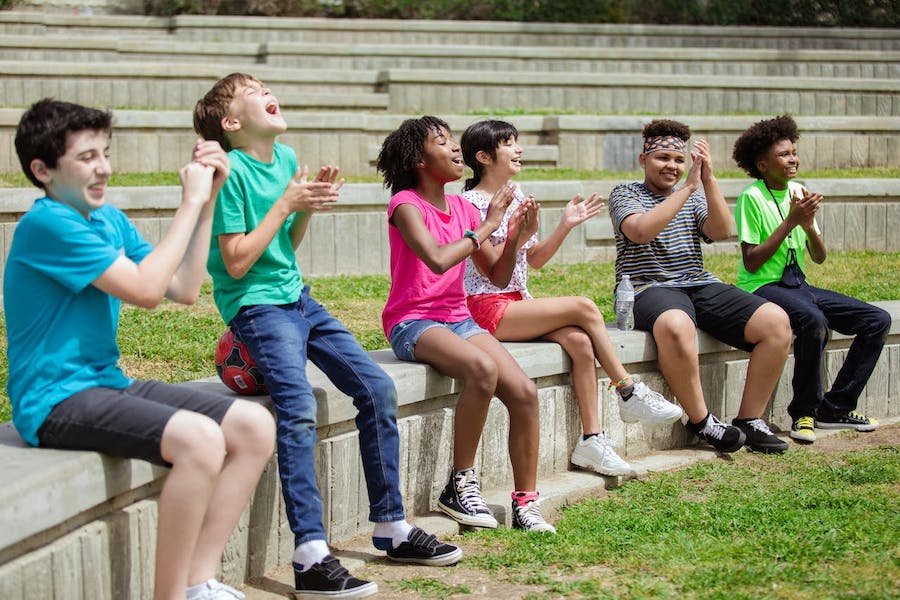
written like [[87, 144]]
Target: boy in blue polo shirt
[[73, 260]]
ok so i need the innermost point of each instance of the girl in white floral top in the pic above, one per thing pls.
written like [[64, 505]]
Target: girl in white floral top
[[490, 148]]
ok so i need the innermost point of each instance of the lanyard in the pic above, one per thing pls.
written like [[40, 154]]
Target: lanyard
[[790, 236]]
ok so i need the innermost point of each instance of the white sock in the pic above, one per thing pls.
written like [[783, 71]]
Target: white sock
[[396, 531], [309, 553]]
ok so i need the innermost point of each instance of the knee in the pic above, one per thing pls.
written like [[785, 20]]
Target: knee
[[481, 373], [194, 441], [812, 325], [777, 327], [522, 401], [384, 393], [579, 347], [676, 331], [253, 430], [585, 306], [881, 324]]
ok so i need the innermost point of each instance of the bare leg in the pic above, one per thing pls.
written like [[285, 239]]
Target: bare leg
[[458, 358], [770, 329], [249, 440], [577, 345], [676, 344], [195, 446], [519, 394], [530, 319]]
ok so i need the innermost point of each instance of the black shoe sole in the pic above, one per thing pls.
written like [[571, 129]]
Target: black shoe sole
[[444, 560]]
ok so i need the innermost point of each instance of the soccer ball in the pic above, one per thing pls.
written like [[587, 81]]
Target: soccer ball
[[236, 368]]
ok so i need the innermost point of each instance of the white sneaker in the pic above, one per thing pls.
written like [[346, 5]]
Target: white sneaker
[[215, 590], [597, 454], [648, 406]]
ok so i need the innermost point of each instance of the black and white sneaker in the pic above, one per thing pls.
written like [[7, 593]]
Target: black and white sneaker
[[328, 579], [424, 549], [528, 517], [462, 501], [759, 437], [847, 420], [722, 437]]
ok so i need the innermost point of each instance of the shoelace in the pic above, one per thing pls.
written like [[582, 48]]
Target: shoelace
[[714, 428], [470, 494], [804, 423], [760, 425], [530, 514], [649, 397], [855, 415], [602, 442]]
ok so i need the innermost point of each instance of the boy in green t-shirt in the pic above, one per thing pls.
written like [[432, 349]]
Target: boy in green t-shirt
[[775, 219], [261, 216]]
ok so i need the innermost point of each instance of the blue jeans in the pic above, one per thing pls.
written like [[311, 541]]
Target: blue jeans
[[280, 339], [813, 311]]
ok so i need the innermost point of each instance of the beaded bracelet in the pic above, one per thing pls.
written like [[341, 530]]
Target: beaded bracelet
[[617, 384], [474, 237]]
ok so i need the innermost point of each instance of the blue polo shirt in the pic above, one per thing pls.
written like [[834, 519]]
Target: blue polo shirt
[[60, 329]]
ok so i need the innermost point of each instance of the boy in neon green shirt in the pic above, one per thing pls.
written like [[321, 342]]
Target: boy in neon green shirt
[[775, 219]]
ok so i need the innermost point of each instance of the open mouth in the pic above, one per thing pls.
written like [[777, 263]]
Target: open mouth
[[456, 160], [272, 107]]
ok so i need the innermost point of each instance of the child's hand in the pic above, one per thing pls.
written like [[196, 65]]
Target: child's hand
[[531, 222], [701, 152], [518, 223], [803, 209], [196, 182], [499, 203], [318, 195], [577, 212], [211, 154]]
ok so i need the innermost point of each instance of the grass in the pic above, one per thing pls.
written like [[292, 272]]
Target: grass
[[175, 343], [18, 180], [815, 525]]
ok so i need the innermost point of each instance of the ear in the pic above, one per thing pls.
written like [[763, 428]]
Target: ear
[[762, 166], [230, 124], [40, 171], [642, 159], [483, 157]]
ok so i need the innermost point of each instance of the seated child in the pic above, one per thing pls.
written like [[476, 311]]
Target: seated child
[[261, 216], [426, 319], [490, 148], [776, 221], [82, 258]]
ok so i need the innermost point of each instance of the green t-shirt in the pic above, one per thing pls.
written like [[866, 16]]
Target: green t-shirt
[[757, 216], [249, 192]]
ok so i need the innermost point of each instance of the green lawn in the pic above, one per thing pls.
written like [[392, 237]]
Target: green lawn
[[803, 525], [175, 343]]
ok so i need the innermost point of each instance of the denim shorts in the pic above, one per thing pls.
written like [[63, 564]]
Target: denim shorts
[[406, 334]]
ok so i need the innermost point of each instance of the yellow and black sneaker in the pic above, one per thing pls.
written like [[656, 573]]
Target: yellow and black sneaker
[[848, 420], [802, 430]]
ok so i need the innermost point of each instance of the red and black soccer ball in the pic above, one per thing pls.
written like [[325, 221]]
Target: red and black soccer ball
[[236, 368]]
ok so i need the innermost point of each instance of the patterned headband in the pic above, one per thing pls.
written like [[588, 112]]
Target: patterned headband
[[663, 142]]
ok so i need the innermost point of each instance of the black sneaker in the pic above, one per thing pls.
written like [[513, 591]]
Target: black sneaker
[[328, 579], [722, 437], [759, 437], [847, 420], [462, 501], [424, 549]]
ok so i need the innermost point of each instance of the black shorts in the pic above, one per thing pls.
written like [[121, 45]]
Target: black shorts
[[719, 309], [127, 423]]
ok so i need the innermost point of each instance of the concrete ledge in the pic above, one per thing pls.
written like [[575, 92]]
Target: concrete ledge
[[87, 522]]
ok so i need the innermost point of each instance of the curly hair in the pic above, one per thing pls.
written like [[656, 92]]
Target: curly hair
[[666, 127], [43, 131], [487, 136], [403, 149], [213, 107], [757, 140]]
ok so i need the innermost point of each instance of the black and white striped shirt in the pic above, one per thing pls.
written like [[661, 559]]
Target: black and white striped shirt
[[674, 257]]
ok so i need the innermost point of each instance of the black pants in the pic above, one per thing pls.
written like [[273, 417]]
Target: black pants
[[813, 311]]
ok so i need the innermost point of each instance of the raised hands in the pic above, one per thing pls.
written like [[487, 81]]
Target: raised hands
[[500, 201], [804, 208], [209, 158], [302, 195], [577, 211]]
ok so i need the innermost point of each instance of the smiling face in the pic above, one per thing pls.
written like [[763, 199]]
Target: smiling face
[[441, 157], [81, 174], [662, 170], [779, 164], [254, 112], [507, 160]]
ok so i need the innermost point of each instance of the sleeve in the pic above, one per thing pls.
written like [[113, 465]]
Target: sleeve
[[701, 213], [747, 219], [229, 213], [402, 197], [67, 251], [623, 202]]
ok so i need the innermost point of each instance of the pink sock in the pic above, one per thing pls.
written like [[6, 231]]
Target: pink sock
[[523, 498]]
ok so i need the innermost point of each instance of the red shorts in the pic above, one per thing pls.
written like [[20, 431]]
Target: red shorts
[[488, 309]]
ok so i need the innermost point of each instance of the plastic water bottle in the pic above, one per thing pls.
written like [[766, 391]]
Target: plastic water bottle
[[625, 304]]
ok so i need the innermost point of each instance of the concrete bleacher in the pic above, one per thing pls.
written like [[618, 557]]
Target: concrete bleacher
[[79, 525]]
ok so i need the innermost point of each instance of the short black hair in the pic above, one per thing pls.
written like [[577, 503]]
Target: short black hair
[[757, 140], [667, 127], [403, 149], [484, 135], [44, 129]]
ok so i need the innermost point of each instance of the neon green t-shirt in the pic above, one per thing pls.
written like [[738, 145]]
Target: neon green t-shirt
[[757, 215], [249, 192]]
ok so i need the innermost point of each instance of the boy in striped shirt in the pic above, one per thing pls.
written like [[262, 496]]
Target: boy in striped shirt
[[658, 227]]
